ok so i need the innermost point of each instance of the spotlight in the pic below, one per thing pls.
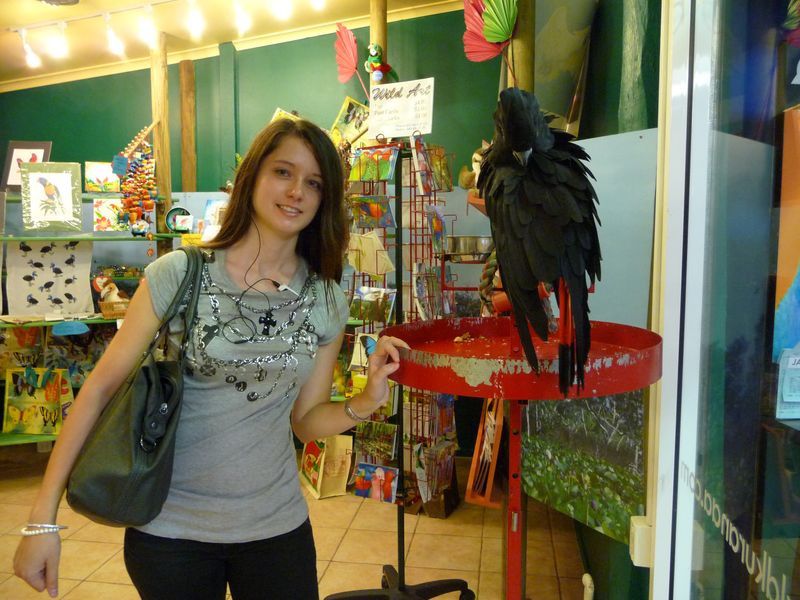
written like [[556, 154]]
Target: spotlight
[[243, 20], [195, 22], [57, 46], [31, 58], [147, 28], [281, 9], [115, 45]]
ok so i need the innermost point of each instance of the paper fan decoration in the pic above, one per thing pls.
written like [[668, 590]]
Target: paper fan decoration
[[792, 23], [347, 56], [481, 18], [499, 19]]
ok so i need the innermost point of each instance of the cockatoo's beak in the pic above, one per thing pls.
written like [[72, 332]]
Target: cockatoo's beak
[[522, 157]]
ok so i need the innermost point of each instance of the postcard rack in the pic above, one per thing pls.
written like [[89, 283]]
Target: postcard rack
[[393, 583]]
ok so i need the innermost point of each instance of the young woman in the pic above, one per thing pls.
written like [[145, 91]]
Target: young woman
[[261, 356]]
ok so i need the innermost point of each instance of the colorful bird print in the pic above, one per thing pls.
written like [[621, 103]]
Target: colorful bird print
[[56, 270], [52, 196], [32, 159], [30, 278], [24, 248], [31, 300]]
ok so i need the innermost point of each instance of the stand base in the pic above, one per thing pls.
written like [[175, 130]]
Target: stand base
[[390, 590]]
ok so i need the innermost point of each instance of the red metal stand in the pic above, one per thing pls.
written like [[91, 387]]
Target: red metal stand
[[488, 362], [516, 507]]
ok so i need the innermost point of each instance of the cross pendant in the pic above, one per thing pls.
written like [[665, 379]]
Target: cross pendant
[[210, 332], [268, 321]]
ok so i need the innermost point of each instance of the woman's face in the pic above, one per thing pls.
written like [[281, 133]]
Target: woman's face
[[288, 189]]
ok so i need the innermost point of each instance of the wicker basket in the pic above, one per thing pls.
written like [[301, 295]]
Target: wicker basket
[[114, 310]]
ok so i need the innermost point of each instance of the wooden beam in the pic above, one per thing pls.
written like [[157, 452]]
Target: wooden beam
[[377, 28], [522, 51], [159, 95], [188, 126]]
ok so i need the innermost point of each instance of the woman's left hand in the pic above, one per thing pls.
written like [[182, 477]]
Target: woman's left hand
[[380, 365]]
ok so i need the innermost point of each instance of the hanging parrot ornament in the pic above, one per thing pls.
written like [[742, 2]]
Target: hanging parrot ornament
[[542, 209], [375, 66]]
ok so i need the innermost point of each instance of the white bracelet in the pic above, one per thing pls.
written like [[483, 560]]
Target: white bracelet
[[348, 410], [41, 528]]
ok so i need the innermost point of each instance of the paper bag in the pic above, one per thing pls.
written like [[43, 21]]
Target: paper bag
[[325, 465]]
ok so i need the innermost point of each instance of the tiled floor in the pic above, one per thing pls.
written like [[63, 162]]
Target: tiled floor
[[354, 537]]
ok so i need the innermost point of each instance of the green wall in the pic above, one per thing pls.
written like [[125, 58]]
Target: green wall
[[237, 92]]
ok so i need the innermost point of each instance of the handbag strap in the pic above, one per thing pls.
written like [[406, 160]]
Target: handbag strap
[[190, 285], [154, 424]]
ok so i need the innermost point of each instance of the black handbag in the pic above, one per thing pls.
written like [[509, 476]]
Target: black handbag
[[122, 475]]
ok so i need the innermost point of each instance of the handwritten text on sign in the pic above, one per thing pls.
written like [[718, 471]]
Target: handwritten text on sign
[[400, 109]]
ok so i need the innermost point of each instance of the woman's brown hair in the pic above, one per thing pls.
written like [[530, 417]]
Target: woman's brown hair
[[324, 241]]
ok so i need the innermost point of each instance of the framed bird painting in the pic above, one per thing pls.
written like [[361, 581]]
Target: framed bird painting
[[51, 196], [22, 152]]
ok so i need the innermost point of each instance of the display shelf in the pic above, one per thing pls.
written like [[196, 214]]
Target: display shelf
[[13, 439], [26, 324], [86, 237], [85, 196]]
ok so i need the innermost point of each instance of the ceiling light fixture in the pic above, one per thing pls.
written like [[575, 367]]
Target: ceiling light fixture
[[195, 22], [317, 4], [115, 44], [147, 28], [281, 9], [243, 20], [57, 45], [31, 58]]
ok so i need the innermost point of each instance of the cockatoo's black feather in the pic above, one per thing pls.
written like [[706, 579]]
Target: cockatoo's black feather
[[543, 214]]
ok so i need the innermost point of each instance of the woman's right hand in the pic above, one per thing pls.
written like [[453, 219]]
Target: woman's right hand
[[36, 562]]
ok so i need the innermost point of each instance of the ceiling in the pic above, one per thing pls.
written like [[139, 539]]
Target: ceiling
[[89, 55]]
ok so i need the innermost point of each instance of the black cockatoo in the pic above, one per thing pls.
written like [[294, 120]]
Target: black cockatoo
[[541, 205]]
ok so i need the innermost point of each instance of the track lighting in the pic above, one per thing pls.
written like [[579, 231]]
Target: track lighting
[[147, 28], [281, 9], [57, 46], [115, 45], [243, 20], [195, 22], [31, 58]]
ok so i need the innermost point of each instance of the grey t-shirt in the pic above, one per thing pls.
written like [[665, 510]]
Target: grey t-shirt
[[235, 472]]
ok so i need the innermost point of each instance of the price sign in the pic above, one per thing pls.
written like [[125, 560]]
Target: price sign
[[400, 109]]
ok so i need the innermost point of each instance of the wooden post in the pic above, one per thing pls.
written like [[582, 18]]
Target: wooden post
[[188, 124], [522, 50], [159, 95], [377, 28]]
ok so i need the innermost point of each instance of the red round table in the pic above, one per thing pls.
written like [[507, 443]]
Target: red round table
[[482, 356]]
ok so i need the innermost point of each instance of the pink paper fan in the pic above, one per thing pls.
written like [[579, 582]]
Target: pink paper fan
[[346, 53], [473, 9], [478, 49]]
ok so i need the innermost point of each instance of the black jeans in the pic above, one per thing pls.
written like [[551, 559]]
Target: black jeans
[[283, 567]]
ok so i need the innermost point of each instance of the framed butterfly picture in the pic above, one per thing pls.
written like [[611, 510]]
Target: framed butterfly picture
[[22, 152]]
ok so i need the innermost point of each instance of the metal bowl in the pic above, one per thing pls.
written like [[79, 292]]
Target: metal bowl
[[462, 248]]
